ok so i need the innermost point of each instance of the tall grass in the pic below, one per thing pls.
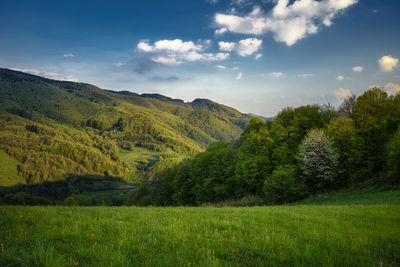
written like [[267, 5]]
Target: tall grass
[[131, 236]]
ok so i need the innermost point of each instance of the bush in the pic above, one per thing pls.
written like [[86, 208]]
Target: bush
[[141, 196], [25, 199], [283, 185]]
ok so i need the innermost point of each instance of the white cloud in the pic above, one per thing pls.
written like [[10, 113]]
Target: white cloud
[[49, 75], [288, 22], [244, 47], [176, 45], [69, 55], [176, 52], [226, 46], [239, 76], [392, 88], [248, 46], [235, 68], [387, 63], [275, 74], [258, 56], [358, 69], [221, 67], [119, 64], [304, 75], [342, 93], [340, 78], [221, 31]]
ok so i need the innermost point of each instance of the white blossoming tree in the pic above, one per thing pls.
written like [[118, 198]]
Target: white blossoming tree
[[318, 160]]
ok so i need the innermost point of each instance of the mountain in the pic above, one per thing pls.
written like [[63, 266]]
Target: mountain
[[50, 129]]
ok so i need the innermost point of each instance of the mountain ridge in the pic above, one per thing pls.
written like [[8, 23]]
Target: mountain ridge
[[168, 129]]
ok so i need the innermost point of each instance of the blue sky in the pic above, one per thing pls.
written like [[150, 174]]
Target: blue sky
[[256, 56]]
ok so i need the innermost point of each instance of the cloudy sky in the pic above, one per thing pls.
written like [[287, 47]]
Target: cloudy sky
[[256, 56]]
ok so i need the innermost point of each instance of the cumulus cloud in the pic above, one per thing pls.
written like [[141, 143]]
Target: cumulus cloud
[[288, 22], [176, 52], [340, 78], [239, 76], [49, 75], [244, 47], [392, 88], [69, 55], [342, 93], [226, 46], [358, 69], [387, 63]]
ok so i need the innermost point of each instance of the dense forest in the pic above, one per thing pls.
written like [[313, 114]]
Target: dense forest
[[301, 152]]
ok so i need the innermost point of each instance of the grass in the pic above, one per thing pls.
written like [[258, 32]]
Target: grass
[[357, 235], [139, 157], [8, 170], [344, 197]]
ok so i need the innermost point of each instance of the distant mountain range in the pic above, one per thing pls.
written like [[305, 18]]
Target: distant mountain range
[[55, 128]]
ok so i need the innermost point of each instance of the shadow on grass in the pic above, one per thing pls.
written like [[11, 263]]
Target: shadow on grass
[[73, 184]]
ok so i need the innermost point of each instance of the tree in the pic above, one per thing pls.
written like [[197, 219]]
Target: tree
[[347, 143], [283, 185], [393, 156], [317, 159]]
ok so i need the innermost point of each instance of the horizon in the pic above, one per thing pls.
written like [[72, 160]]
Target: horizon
[[255, 56]]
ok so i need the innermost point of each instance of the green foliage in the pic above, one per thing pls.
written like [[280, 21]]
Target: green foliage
[[348, 144], [141, 196], [284, 185], [25, 199], [331, 148], [393, 156]]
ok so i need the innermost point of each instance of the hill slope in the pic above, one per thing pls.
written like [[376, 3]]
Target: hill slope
[[53, 128]]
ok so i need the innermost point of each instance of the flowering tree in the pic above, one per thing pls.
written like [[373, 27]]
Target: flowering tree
[[317, 159]]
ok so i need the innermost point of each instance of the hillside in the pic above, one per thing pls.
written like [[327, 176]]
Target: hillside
[[54, 128]]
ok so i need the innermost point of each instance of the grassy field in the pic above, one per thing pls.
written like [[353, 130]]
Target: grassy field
[[354, 197], [355, 235], [8, 170], [139, 157]]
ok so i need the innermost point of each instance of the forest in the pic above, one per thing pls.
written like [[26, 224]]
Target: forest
[[303, 151]]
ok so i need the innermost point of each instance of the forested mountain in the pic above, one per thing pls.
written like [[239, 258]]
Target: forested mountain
[[50, 128], [301, 152]]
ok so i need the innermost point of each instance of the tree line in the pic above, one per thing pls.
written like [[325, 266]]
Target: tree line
[[301, 152]]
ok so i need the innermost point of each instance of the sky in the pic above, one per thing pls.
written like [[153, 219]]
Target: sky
[[256, 56]]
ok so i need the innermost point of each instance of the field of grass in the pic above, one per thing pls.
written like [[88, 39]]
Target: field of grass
[[358, 235], [139, 157], [354, 197], [8, 170]]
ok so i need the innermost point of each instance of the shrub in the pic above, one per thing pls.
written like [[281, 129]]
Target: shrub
[[141, 196], [283, 185], [25, 199]]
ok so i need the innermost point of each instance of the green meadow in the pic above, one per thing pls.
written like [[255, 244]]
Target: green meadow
[[348, 235]]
